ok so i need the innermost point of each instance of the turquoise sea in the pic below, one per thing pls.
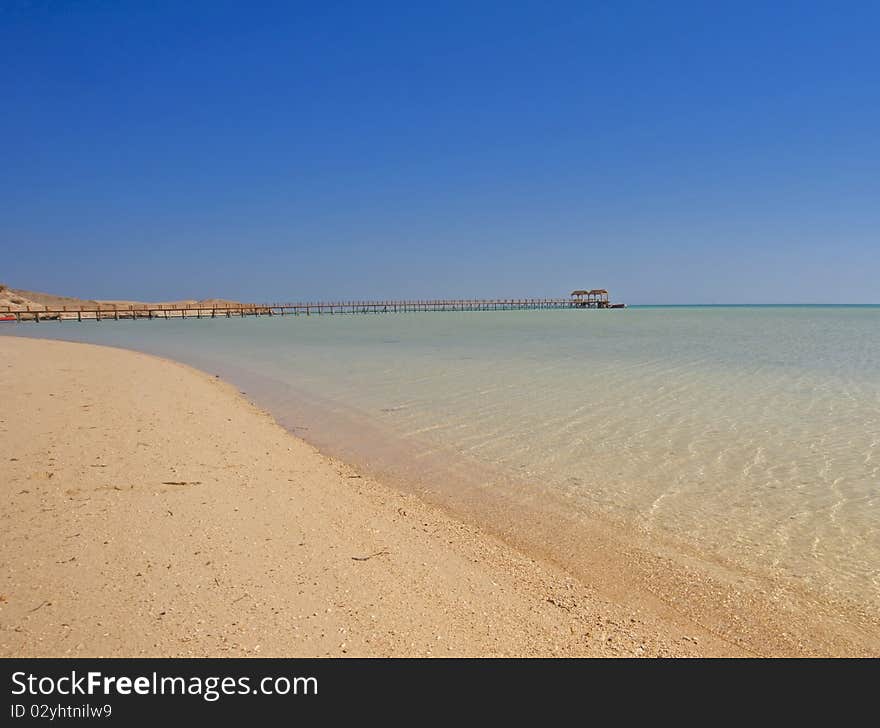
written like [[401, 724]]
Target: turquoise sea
[[751, 433]]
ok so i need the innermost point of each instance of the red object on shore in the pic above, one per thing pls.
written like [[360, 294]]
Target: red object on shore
[[7, 318]]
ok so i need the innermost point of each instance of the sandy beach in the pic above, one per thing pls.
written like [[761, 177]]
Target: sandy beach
[[149, 509]]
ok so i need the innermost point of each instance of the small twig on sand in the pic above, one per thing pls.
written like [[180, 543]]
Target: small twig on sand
[[40, 606], [383, 552]]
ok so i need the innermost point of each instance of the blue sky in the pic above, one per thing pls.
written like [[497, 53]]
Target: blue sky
[[671, 152]]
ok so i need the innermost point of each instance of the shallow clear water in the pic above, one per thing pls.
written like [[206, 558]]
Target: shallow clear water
[[751, 432]]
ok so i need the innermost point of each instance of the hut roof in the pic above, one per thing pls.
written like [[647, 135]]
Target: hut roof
[[599, 292], [580, 293]]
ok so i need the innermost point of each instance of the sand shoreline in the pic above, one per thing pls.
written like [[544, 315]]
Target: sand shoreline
[[151, 510], [761, 611]]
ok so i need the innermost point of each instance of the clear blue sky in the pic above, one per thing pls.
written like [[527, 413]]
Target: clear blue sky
[[672, 152]]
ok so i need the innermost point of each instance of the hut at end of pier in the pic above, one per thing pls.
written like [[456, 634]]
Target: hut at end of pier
[[595, 298]]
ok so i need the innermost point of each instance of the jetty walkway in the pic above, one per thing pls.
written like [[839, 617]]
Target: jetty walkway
[[114, 312]]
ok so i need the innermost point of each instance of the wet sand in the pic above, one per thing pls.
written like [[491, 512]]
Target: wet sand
[[150, 509]]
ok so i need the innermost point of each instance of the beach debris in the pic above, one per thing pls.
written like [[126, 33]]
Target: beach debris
[[383, 552], [246, 594], [181, 482], [561, 604], [40, 606]]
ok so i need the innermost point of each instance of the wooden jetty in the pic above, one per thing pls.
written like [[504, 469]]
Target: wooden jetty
[[596, 298]]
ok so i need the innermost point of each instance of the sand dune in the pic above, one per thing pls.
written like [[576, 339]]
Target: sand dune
[[19, 298]]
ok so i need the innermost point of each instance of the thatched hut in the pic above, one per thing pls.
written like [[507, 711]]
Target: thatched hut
[[593, 298]]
